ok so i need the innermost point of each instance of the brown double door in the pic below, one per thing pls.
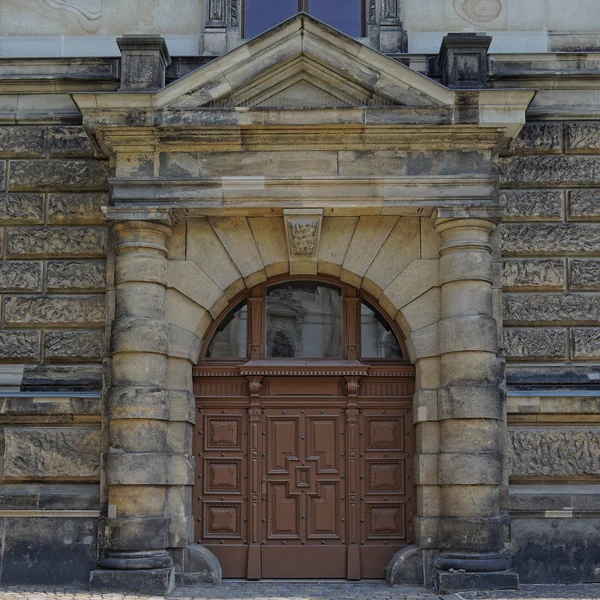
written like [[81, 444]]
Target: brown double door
[[297, 485]]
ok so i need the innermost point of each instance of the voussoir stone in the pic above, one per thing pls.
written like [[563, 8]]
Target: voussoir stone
[[75, 275], [21, 209], [533, 273], [539, 138], [19, 345], [532, 205], [70, 141], [585, 274], [54, 310], [549, 238], [550, 170], [582, 137], [534, 342], [584, 204], [51, 452], [77, 208], [83, 345], [586, 343], [20, 276], [569, 308], [57, 241], [58, 174], [19, 141]]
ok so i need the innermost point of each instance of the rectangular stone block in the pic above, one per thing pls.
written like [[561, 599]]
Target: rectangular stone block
[[539, 138], [21, 209], [532, 205], [547, 238], [585, 343], [23, 141], [76, 208], [51, 453], [18, 346], [569, 308], [533, 342], [584, 274], [54, 311], [57, 241], [39, 175], [70, 141], [558, 453], [2, 175], [582, 137], [74, 345], [533, 273], [584, 205], [550, 170], [22, 276], [75, 275]]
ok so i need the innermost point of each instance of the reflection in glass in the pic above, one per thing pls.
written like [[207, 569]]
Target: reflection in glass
[[345, 15], [376, 336], [229, 341], [304, 320], [264, 14]]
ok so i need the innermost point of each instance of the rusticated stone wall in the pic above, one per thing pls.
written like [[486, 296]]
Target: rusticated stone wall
[[53, 297]]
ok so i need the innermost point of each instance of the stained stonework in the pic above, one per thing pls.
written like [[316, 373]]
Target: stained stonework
[[26, 142], [549, 238], [539, 138], [531, 205], [75, 275], [25, 276], [554, 453], [584, 204], [58, 174], [535, 343], [21, 209], [51, 453], [70, 141], [549, 170], [78, 209], [81, 345], [54, 310], [57, 241], [583, 137], [534, 273], [586, 343], [19, 345], [585, 274], [566, 308]]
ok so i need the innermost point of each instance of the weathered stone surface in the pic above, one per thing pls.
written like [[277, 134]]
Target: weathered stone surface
[[585, 274], [57, 241], [54, 310], [22, 141], [58, 174], [529, 205], [582, 137], [70, 141], [51, 452], [584, 204], [2, 174], [533, 273], [20, 276], [586, 343], [75, 275], [549, 238], [551, 308], [554, 452], [21, 208], [83, 209], [19, 345], [550, 170], [539, 138], [535, 342], [83, 345]]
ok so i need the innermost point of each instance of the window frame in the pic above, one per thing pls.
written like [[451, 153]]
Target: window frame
[[304, 6], [255, 298]]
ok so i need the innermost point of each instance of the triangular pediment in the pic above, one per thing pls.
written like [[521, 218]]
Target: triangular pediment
[[303, 63]]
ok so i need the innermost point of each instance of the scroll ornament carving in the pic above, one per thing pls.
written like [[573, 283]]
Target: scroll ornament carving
[[372, 12], [234, 13], [303, 237], [478, 11]]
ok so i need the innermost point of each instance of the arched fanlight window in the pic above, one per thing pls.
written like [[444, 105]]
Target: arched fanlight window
[[345, 15], [376, 336], [230, 338]]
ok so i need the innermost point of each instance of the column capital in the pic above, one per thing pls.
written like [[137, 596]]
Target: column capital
[[465, 229], [160, 216]]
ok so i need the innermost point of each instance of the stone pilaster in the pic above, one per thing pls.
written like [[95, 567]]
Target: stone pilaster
[[140, 465], [471, 410]]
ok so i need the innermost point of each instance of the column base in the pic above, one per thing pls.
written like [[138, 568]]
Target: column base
[[447, 582], [152, 582]]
